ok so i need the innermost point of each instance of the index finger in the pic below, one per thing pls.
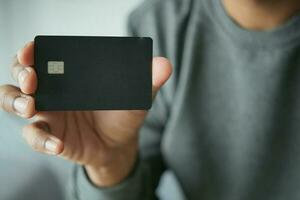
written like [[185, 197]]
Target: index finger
[[25, 55], [24, 58], [22, 70]]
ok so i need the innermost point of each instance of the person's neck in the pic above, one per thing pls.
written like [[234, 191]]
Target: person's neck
[[261, 14]]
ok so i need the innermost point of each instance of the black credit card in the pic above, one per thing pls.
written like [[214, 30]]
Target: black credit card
[[93, 73]]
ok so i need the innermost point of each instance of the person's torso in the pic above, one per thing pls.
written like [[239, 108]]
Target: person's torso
[[234, 126]]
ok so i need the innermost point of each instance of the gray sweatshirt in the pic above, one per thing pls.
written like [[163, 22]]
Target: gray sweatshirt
[[227, 124]]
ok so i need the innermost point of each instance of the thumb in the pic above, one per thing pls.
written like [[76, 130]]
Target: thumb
[[39, 138], [161, 71]]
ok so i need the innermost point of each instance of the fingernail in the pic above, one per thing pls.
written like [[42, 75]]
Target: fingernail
[[23, 75], [20, 104], [51, 146]]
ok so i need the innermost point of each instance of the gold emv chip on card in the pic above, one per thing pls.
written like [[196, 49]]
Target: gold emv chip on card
[[56, 67]]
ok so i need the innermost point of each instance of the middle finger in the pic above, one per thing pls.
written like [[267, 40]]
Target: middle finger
[[25, 76]]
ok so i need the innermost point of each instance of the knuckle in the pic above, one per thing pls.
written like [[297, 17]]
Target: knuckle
[[36, 143], [8, 94], [15, 72], [14, 61], [3, 96], [3, 89], [30, 112], [25, 130]]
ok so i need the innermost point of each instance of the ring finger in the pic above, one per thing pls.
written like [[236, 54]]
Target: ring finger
[[14, 101]]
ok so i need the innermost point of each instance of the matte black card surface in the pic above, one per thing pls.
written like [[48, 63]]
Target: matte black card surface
[[93, 73]]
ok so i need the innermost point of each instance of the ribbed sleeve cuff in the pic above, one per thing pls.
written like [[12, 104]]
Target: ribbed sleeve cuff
[[130, 189]]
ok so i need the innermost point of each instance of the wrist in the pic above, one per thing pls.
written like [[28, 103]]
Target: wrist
[[117, 170]]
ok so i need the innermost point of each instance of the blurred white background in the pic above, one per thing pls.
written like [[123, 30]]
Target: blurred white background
[[24, 174]]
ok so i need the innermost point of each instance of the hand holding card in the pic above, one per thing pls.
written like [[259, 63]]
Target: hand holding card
[[105, 142]]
